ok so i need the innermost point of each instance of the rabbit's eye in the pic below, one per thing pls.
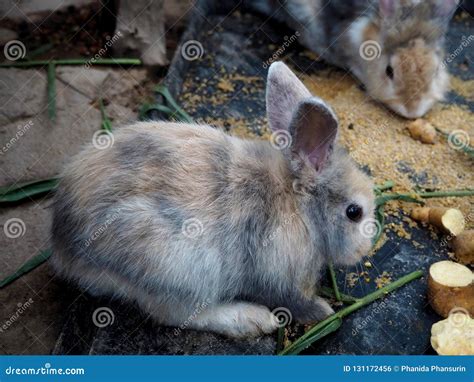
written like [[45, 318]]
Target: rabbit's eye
[[389, 72], [354, 212]]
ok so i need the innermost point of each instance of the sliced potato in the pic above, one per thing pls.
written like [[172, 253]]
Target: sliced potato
[[454, 335], [449, 220], [450, 285], [463, 246]]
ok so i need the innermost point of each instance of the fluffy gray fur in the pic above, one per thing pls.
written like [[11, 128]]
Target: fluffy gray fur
[[267, 220]]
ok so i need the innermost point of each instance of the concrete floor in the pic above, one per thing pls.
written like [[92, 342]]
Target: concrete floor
[[32, 308]]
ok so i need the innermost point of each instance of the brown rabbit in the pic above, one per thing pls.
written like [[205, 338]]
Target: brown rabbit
[[394, 47], [201, 227]]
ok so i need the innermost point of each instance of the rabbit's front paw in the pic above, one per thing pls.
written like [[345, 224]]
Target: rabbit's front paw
[[248, 320], [325, 309], [314, 311]]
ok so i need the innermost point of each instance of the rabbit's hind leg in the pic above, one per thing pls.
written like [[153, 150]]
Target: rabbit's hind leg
[[236, 319]]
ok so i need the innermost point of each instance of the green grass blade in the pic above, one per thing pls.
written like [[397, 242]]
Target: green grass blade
[[385, 186], [145, 108], [281, 339], [446, 194], [11, 194], [325, 330], [412, 197], [27, 267], [73, 61], [163, 90], [52, 91], [384, 198], [332, 275], [106, 122], [329, 293]]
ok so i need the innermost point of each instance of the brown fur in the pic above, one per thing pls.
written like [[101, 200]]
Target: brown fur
[[121, 215]]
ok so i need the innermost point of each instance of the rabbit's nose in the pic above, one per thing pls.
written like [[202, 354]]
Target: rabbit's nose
[[413, 111], [418, 108]]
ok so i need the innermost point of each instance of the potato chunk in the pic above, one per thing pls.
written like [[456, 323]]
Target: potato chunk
[[454, 335], [450, 286]]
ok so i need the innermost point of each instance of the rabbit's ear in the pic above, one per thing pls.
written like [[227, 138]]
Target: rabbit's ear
[[313, 130], [291, 107], [284, 92]]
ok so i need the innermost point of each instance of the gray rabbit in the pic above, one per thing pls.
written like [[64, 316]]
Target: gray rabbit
[[394, 47], [203, 228]]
